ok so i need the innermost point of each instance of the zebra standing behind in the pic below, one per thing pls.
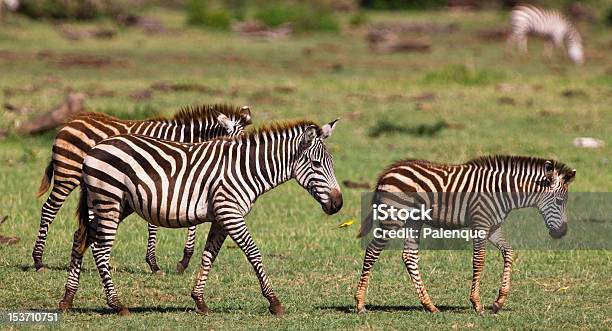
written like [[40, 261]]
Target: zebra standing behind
[[175, 185], [556, 29], [78, 136], [478, 194]]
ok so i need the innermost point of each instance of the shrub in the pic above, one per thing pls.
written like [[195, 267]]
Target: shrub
[[64, 9], [201, 13], [358, 19], [609, 16], [304, 16]]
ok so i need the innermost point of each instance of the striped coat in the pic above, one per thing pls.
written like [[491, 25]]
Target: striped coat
[[79, 135], [175, 185], [554, 27], [478, 194]]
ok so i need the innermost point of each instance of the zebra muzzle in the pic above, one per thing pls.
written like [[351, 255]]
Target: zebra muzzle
[[559, 232], [335, 202]]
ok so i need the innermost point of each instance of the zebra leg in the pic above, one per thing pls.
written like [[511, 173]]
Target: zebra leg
[[497, 238], [240, 234], [549, 46], [478, 260], [49, 211], [102, 245], [150, 258], [410, 255], [74, 269], [372, 253], [215, 240], [188, 250]]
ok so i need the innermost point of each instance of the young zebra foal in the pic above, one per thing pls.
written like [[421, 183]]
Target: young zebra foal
[[77, 137], [176, 185], [549, 24], [478, 194]]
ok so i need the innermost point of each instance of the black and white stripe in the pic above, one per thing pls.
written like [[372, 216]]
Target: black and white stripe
[[478, 194], [549, 24], [176, 185], [77, 137]]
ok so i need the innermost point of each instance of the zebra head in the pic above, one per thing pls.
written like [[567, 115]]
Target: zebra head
[[575, 52], [554, 198], [234, 124], [314, 168]]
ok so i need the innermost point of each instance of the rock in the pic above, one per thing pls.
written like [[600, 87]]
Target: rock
[[588, 142]]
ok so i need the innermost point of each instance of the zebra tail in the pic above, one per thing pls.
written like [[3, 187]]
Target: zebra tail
[[83, 216], [366, 225], [45, 181]]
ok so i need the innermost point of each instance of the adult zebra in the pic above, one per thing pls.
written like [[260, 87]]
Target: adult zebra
[[171, 184], [549, 24], [478, 194], [78, 136]]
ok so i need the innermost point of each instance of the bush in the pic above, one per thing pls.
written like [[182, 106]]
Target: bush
[[609, 16], [304, 16], [60, 9], [358, 19], [201, 13]]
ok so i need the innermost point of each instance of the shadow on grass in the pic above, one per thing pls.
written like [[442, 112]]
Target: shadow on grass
[[146, 310], [388, 309], [128, 270]]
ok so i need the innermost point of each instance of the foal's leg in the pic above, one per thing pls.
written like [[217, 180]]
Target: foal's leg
[[372, 253], [497, 238], [57, 197], [80, 243], [188, 250], [215, 240], [103, 243], [150, 258], [410, 255], [478, 260]]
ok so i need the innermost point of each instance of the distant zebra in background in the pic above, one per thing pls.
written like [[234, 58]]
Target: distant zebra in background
[[478, 194], [175, 185], [556, 29], [77, 137]]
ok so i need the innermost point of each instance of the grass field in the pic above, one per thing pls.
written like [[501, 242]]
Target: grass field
[[485, 102]]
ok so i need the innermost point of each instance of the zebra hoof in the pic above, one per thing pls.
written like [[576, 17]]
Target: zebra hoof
[[41, 268], [496, 307], [65, 306], [123, 311], [361, 310], [159, 272], [277, 309], [202, 308], [180, 268]]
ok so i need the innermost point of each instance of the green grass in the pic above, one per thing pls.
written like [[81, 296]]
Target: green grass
[[313, 265]]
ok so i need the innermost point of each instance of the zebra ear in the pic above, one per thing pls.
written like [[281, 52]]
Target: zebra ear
[[568, 177], [225, 122], [309, 135], [245, 113], [548, 169], [328, 128]]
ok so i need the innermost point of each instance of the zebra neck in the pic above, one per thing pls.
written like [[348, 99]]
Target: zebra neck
[[268, 160]]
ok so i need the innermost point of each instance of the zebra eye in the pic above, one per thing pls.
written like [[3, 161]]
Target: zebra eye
[[316, 163], [559, 202]]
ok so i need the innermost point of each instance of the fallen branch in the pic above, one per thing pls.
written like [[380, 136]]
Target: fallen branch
[[72, 104]]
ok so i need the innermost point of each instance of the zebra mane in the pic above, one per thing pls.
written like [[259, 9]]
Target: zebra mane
[[501, 162], [204, 111], [271, 128]]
